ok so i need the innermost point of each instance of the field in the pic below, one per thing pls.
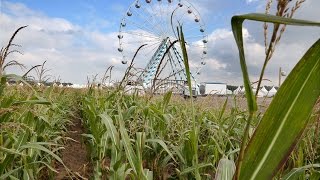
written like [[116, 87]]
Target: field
[[56, 133]]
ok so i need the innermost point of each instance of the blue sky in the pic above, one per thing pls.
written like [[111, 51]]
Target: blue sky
[[78, 38], [83, 12]]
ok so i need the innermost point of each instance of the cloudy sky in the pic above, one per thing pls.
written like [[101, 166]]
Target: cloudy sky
[[78, 38]]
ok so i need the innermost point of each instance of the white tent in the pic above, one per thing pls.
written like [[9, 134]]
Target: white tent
[[229, 92], [272, 92], [260, 93], [237, 91], [264, 90], [243, 90]]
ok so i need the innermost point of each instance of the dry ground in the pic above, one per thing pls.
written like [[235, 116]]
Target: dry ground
[[74, 155]]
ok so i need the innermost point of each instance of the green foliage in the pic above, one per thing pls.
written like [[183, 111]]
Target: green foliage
[[152, 138], [31, 132], [286, 118]]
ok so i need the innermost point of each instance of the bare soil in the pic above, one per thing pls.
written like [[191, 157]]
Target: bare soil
[[74, 155]]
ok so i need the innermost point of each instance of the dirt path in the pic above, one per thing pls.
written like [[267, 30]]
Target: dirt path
[[74, 155]]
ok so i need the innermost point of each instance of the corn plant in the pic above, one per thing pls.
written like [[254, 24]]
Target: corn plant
[[6, 51], [272, 142], [31, 133]]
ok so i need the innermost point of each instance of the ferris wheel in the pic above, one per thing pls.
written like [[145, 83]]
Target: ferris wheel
[[154, 23]]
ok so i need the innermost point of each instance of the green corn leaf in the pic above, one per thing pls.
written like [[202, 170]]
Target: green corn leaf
[[236, 23], [285, 120], [9, 173], [163, 145], [193, 168], [3, 81], [185, 58], [44, 149], [111, 129], [140, 144], [194, 132], [89, 136], [166, 99], [315, 175], [297, 172], [13, 171], [131, 156], [11, 151], [223, 109], [13, 178], [44, 102]]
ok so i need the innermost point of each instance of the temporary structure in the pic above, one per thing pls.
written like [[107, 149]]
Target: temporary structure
[[237, 91], [264, 90], [272, 92]]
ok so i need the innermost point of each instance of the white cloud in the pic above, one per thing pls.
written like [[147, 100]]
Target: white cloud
[[71, 51], [294, 43], [251, 1]]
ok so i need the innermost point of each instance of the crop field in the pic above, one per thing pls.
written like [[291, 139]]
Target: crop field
[[99, 131], [59, 132]]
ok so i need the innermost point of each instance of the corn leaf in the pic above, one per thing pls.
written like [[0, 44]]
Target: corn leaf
[[40, 101], [131, 156], [44, 149], [11, 151], [163, 145], [111, 129], [166, 100], [297, 172], [285, 120], [3, 81], [193, 168], [185, 58], [236, 23]]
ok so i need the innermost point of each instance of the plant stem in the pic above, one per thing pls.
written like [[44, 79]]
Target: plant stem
[[243, 146], [268, 56]]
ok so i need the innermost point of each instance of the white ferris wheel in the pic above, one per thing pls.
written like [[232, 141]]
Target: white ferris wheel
[[153, 23]]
